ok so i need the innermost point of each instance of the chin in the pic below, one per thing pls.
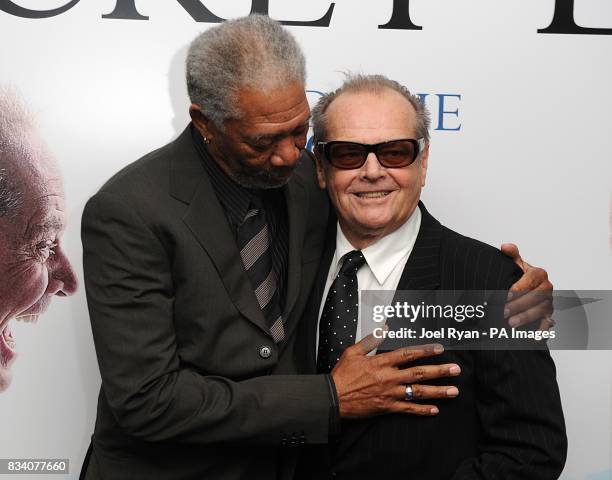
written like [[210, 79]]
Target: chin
[[266, 183], [8, 352], [257, 178], [7, 357], [32, 313], [372, 226], [5, 379]]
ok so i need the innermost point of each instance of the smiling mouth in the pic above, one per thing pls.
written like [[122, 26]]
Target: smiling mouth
[[7, 336], [372, 194], [7, 341]]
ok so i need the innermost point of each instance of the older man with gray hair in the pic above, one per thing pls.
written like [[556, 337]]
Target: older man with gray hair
[[372, 152], [198, 260], [33, 265]]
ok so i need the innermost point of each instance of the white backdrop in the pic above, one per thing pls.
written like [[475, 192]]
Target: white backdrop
[[534, 135]]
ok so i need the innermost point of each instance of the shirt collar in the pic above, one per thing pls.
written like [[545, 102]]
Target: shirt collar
[[384, 255]]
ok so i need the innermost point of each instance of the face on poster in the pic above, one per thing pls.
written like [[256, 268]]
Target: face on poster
[[33, 265]]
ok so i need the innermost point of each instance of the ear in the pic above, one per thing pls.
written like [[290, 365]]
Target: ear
[[202, 123], [320, 170], [424, 162]]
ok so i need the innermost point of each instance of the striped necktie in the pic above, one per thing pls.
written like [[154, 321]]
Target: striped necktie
[[253, 238]]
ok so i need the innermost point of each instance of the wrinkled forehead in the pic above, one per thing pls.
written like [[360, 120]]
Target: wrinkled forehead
[[32, 168], [371, 111]]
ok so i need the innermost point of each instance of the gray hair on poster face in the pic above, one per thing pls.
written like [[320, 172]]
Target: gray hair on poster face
[[11, 198], [249, 52], [15, 124]]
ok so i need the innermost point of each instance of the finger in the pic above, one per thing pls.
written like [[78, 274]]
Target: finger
[[527, 301], [533, 278], [410, 354], [530, 315], [512, 251], [402, 406], [546, 324], [423, 373], [426, 392], [367, 343]]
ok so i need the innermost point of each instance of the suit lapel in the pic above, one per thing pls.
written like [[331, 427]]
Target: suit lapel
[[422, 272], [208, 223], [311, 319], [297, 207]]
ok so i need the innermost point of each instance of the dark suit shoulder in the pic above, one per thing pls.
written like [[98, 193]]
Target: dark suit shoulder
[[141, 193], [471, 264], [158, 185], [143, 177]]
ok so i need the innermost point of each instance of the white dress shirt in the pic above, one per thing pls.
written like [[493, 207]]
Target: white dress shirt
[[385, 262]]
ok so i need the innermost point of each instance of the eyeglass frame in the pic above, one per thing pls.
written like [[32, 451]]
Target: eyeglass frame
[[324, 147]]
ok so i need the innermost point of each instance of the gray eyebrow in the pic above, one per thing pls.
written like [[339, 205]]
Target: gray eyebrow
[[51, 224]]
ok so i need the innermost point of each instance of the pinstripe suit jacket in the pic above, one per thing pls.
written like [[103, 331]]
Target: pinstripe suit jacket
[[507, 422]]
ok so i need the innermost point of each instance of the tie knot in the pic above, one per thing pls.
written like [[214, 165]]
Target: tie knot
[[353, 261], [255, 208]]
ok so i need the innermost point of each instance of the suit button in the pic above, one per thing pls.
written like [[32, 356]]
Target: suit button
[[265, 352]]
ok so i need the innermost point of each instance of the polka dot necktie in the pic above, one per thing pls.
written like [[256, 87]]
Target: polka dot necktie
[[338, 324]]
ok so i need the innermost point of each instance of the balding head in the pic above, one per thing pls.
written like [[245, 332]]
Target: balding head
[[25, 163], [33, 266], [14, 122]]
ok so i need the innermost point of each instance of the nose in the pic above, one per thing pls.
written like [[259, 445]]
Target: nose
[[286, 153], [62, 278], [372, 169]]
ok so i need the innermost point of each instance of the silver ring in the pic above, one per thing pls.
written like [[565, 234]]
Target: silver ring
[[409, 393]]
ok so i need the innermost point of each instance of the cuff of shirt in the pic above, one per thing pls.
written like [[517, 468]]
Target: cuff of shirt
[[334, 410]]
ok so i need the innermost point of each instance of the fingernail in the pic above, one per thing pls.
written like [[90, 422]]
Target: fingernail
[[510, 295], [454, 370], [434, 410], [506, 312], [438, 348], [513, 322], [452, 392]]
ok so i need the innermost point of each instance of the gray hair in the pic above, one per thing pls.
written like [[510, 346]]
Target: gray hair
[[254, 51], [373, 84], [15, 124], [11, 198]]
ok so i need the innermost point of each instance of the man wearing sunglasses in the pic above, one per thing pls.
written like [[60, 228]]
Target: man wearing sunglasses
[[372, 151]]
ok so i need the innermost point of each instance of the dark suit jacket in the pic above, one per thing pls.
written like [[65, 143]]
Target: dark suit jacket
[[187, 392], [507, 422]]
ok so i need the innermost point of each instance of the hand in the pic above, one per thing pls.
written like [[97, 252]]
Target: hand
[[530, 298], [373, 385]]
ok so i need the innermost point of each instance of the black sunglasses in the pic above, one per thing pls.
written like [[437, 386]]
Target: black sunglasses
[[391, 154]]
